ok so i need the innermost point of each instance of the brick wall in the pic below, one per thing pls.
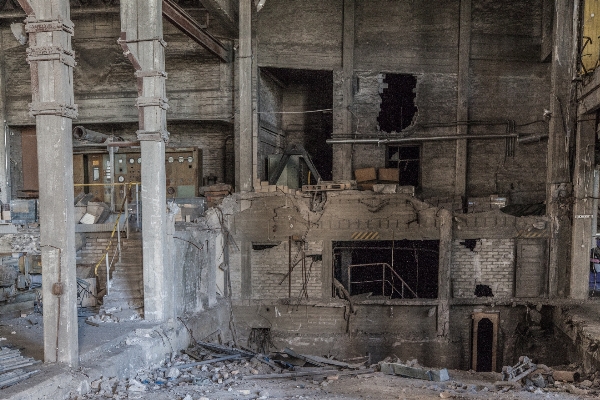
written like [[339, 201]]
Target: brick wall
[[269, 267], [490, 263]]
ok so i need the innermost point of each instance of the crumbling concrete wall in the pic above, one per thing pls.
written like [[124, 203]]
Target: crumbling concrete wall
[[270, 273], [490, 263]]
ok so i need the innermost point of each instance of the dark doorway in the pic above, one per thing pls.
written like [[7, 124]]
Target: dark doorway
[[300, 105], [485, 345], [397, 102], [392, 269]]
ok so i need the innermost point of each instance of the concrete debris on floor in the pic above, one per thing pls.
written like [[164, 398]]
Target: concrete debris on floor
[[11, 367]]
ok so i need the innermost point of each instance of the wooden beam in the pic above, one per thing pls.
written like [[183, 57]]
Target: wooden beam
[[188, 25]]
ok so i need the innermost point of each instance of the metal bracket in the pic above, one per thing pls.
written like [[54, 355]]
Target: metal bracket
[[154, 136], [53, 108], [50, 53], [50, 26], [150, 73], [153, 102]]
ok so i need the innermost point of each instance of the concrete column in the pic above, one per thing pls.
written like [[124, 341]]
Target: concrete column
[[583, 208], [560, 141], [444, 274], [51, 59], [462, 108], [142, 40], [342, 163], [244, 151], [4, 143]]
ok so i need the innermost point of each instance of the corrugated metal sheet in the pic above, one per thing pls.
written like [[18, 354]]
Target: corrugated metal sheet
[[591, 30]]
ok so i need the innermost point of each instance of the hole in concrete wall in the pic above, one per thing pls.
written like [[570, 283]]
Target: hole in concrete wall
[[483, 291], [398, 107], [264, 246], [407, 159], [260, 340], [469, 243], [485, 345], [392, 269]]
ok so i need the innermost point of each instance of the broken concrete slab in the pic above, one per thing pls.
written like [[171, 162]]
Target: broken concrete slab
[[414, 372]]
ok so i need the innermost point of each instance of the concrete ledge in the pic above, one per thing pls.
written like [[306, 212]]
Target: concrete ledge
[[147, 345]]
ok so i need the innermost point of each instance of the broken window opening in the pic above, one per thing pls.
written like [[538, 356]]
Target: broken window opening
[[398, 107], [483, 291], [392, 269], [407, 159]]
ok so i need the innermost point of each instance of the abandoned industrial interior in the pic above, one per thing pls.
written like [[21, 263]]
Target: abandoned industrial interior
[[319, 199]]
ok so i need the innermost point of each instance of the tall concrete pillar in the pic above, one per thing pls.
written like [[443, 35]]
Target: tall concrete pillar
[[342, 153], [51, 59], [560, 141], [142, 40], [583, 207], [244, 151]]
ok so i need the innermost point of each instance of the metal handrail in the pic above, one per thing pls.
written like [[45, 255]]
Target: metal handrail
[[383, 279]]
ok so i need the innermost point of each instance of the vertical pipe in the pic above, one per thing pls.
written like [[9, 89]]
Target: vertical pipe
[[349, 280], [383, 279], [107, 275], [290, 267], [137, 206], [595, 194], [111, 155]]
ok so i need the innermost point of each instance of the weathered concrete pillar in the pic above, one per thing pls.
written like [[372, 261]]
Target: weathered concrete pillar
[[51, 59], [583, 207], [4, 144], [342, 160], [444, 274], [561, 136], [462, 108], [244, 149], [142, 40]]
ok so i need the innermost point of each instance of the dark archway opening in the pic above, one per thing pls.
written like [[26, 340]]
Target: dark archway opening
[[485, 345]]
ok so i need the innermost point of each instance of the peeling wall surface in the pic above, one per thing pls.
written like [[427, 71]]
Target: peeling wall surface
[[490, 263]]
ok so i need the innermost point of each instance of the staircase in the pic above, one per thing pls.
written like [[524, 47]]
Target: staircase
[[126, 292]]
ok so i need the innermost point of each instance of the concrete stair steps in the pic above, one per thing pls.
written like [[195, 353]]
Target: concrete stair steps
[[126, 277], [119, 297], [126, 285], [125, 305]]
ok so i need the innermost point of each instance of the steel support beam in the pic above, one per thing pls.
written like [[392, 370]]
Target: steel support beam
[[51, 58], [188, 25]]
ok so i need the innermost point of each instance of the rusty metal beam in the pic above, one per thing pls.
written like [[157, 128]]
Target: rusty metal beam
[[184, 22]]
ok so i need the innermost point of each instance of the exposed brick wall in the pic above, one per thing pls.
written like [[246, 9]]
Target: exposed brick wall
[[490, 263], [269, 267]]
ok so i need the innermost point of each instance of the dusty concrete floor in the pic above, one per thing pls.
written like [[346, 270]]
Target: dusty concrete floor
[[372, 386], [27, 334]]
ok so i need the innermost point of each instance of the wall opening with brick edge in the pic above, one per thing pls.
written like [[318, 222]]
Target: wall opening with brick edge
[[490, 262], [393, 269]]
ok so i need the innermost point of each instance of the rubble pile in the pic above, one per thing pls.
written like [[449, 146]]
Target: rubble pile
[[208, 368]]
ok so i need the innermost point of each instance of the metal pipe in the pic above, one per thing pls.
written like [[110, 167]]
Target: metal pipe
[[531, 138], [81, 133], [418, 139], [290, 267], [596, 190]]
